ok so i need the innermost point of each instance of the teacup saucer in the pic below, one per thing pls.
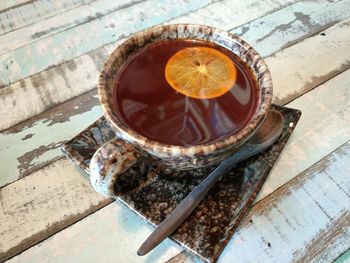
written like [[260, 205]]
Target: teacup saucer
[[211, 225]]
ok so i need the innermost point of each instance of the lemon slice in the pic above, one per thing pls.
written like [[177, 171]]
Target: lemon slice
[[200, 72]]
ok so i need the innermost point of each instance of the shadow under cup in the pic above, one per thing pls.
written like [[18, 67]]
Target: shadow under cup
[[205, 136]]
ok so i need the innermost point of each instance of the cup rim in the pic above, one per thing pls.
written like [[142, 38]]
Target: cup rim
[[160, 149]]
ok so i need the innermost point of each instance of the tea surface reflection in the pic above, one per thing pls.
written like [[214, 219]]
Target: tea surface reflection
[[145, 102]]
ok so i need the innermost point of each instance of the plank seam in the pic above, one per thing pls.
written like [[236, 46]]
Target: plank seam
[[289, 44], [55, 159], [321, 83], [304, 171], [317, 32], [50, 16], [99, 206], [25, 173], [95, 49], [17, 6], [55, 105], [109, 202], [122, 7], [268, 13], [254, 204]]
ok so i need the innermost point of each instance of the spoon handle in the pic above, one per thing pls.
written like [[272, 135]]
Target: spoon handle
[[186, 207], [268, 134]]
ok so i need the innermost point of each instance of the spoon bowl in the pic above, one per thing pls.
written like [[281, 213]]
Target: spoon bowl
[[271, 126]]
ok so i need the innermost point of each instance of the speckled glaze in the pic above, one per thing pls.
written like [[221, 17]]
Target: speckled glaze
[[118, 168], [177, 156], [213, 222]]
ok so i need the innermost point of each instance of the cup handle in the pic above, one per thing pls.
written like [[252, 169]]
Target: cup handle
[[118, 168]]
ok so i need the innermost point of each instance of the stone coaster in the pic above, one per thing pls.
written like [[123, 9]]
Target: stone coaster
[[213, 222]]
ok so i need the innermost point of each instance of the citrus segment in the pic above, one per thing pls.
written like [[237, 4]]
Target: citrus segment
[[200, 72]]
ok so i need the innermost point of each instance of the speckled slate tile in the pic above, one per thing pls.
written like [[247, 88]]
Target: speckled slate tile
[[211, 225]]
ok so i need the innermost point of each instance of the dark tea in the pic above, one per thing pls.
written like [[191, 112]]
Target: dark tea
[[148, 101]]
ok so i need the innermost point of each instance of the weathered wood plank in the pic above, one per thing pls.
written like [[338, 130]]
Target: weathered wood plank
[[44, 145], [41, 140], [46, 79], [318, 59], [228, 14], [29, 12], [325, 120], [287, 26], [39, 104], [50, 87], [306, 220], [112, 241], [5, 4], [329, 97], [67, 187], [68, 44], [58, 23], [323, 127], [76, 89]]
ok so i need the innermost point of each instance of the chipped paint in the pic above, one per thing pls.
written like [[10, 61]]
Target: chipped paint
[[228, 14], [111, 227], [85, 76], [69, 19], [324, 126], [29, 12], [59, 83], [289, 25], [6, 5], [85, 37], [314, 82], [41, 153], [28, 136], [303, 55], [55, 206], [283, 91], [47, 133], [24, 204], [296, 221]]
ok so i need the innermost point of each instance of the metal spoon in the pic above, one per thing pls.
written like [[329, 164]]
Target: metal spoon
[[267, 134]]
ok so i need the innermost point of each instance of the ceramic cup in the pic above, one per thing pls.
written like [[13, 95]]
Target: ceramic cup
[[121, 165]]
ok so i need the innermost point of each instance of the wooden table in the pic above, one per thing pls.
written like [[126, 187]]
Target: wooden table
[[51, 53]]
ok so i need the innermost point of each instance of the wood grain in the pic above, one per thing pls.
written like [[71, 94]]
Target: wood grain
[[109, 234], [5, 4], [29, 12], [50, 87], [27, 213], [306, 220], [289, 25], [311, 62], [228, 14], [60, 22], [78, 75], [323, 127], [327, 126], [43, 137], [38, 150], [58, 48], [331, 106]]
